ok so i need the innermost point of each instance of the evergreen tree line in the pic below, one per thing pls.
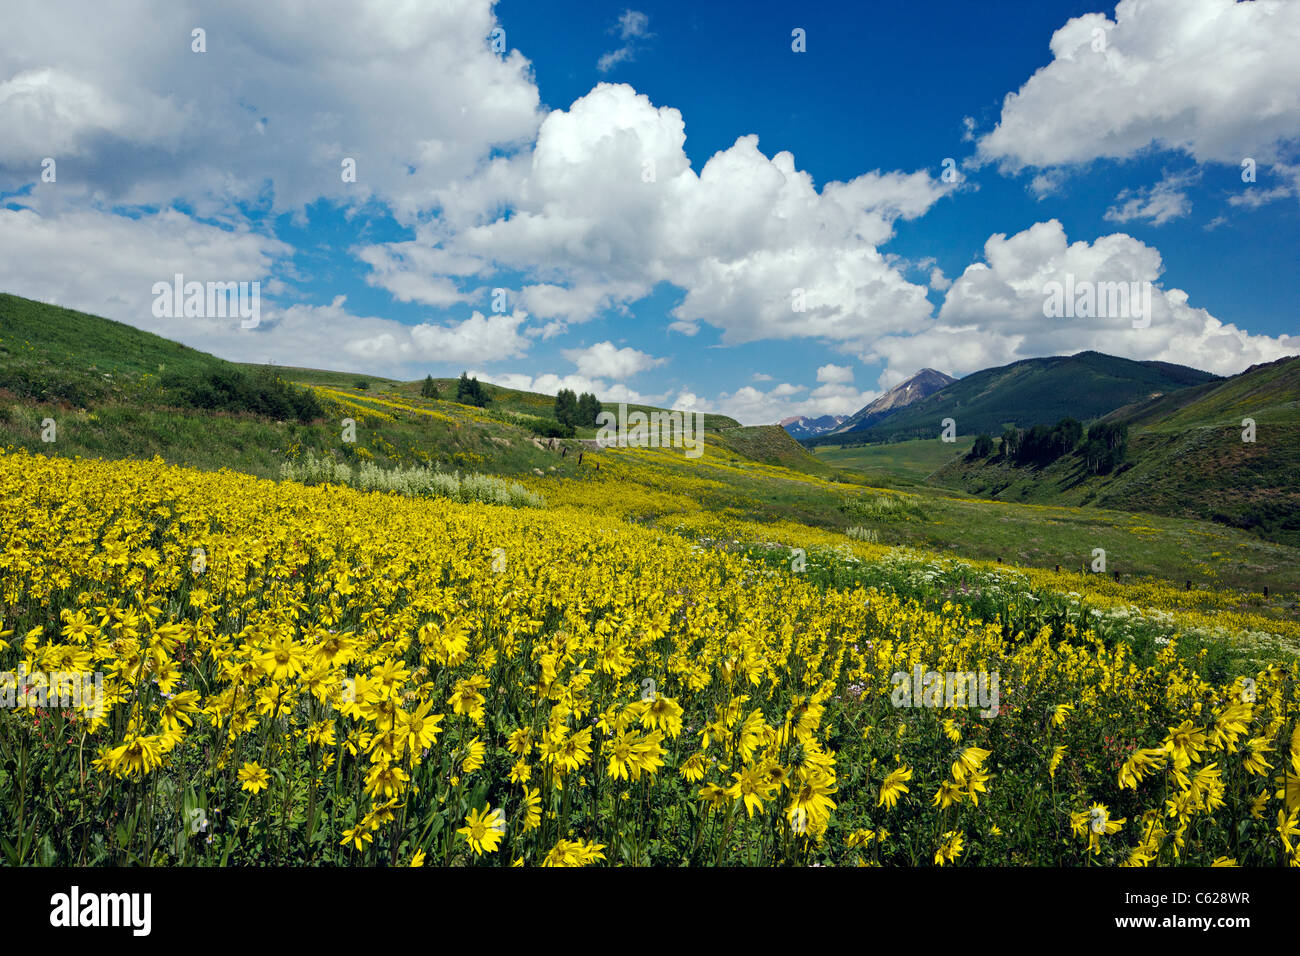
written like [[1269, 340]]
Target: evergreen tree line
[[470, 392], [571, 410], [1104, 448], [577, 411]]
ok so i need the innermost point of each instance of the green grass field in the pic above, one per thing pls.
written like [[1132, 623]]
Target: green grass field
[[897, 463], [754, 473], [1044, 535]]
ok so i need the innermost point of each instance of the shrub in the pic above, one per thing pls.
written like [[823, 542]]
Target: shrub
[[549, 429], [233, 390], [46, 383]]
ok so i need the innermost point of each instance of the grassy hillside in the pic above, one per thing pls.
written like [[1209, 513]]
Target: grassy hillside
[[896, 464], [770, 445], [750, 474], [1030, 392], [115, 391], [57, 354], [53, 365], [1264, 386], [1186, 457], [504, 399]]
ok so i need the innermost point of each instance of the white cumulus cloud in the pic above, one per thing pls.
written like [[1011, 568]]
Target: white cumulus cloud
[[606, 360], [283, 94], [1215, 79], [994, 312], [1161, 203], [609, 207]]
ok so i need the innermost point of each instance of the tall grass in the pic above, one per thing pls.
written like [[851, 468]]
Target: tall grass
[[884, 508], [413, 482]]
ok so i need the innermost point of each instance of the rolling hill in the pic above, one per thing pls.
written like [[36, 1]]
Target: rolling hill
[[1187, 456], [104, 383], [119, 392], [1029, 392]]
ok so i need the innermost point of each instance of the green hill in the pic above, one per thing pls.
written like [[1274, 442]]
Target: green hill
[[769, 445], [904, 464], [1186, 457], [1030, 392], [55, 354], [117, 392]]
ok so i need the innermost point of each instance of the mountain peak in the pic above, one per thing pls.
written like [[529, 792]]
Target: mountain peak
[[801, 426], [921, 385], [1084, 386]]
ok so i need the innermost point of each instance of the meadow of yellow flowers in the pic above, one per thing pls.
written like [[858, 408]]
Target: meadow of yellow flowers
[[318, 675]]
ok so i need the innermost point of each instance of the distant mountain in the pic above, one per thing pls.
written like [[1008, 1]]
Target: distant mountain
[[921, 385], [801, 426], [1030, 392], [1190, 454]]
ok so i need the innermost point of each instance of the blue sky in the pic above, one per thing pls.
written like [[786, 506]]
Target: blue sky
[[640, 264]]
